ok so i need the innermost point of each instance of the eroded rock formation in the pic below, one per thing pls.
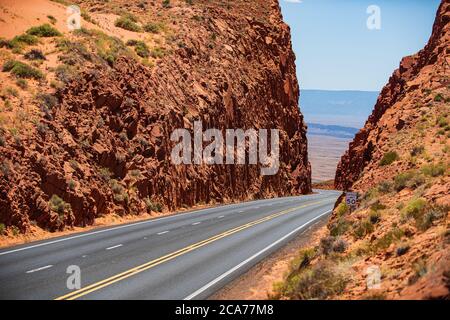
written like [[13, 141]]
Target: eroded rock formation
[[104, 148]]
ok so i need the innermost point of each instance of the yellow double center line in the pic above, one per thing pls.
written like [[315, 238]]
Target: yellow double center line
[[133, 271]]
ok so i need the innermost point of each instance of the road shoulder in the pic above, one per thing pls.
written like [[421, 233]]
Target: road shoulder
[[257, 283]]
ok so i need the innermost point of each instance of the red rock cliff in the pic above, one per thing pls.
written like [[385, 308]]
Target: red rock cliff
[[399, 103], [106, 148]]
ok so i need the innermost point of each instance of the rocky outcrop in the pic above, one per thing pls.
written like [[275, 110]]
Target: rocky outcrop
[[105, 147], [400, 103]]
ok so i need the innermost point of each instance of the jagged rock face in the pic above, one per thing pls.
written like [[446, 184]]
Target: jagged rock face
[[121, 119], [399, 106]]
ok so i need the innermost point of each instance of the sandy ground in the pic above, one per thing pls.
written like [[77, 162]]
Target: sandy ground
[[257, 283], [324, 153]]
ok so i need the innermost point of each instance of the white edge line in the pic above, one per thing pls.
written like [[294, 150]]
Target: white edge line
[[113, 247], [160, 233], [39, 269], [195, 223], [129, 225], [221, 217], [224, 275]]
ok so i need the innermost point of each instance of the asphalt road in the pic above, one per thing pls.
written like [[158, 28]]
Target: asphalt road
[[186, 256]]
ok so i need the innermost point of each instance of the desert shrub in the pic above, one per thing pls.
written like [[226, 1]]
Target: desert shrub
[[71, 184], [110, 48], [158, 53], [22, 84], [128, 22], [152, 206], [152, 28], [377, 205], [105, 174], [385, 187], [136, 173], [415, 208], [2, 141], [401, 180], [44, 30], [425, 221], [433, 170], [417, 150], [374, 217], [419, 270], [442, 122], [388, 158], [52, 19], [34, 54], [19, 42], [8, 92], [402, 249], [386, 240], [326, 244], [21, 70], [65, 73], [46, 101], [302, 260], [317, 282], [438, 97], [41, 127], [140, 48], [166, 3], [340, 245], [342, 209], [2, 229], [58, 205], [362, 228], [339, 227]]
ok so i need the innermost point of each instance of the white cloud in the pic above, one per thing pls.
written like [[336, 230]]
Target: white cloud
[[293, 1]]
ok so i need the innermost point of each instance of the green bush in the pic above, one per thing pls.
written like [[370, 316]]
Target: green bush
[[438, 98], [386, 240], [58, 205], [388, 158], [339, 227], [434, 170], [128, 22], [2, 228], [140, 48], [317, 282], [415, 208], [18, 42], [417, 150], [152, 28], [44, 30], [374, 217], [302, 260], [22, 70], [402, 179], [342, 209], [442, 122], [158, 53], [385, 187], [152, 206], [22, 84], [362, 228]]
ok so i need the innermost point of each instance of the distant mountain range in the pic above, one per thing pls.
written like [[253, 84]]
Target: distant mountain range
[[341, 108], [332, 130]]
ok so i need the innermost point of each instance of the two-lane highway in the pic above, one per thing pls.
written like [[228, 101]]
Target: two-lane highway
[[184, 256]]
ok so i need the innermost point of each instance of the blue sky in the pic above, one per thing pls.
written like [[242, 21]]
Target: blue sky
[[336, 51]]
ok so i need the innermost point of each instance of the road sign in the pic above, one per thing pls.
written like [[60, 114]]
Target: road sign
[[351, 199]]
